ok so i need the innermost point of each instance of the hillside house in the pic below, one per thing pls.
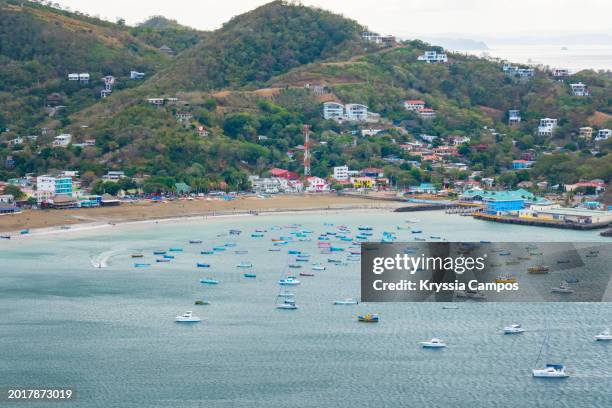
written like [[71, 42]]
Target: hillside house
[[514, 117], [341, 173], [373, 172], [579, 89], [351, 112], [586, 133], [105, 93], [427, 113], [458, 140], [433, 57], [137, 75], [285, 174], [113, 176], [333, 111], [547, 127], [62, 140], [183, 117], [156, 101], [81, 77], [414, 105], [560, 72], [521, 164], [377, 38], [356, 112], [166, 50], [603, 134]]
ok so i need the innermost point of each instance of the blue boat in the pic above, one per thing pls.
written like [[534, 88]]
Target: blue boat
[[176, 249], [416, 231], [367, 234], [24, 231], [203, 265], [168, 256], [209, 281], [207, 252], [249, 275], [323, 238], [141, 265], [278, 243], [229, 244], [257, 235], [235, 232], [294, 251], [364, 228], [162, 260], [336, 249], [219, 249], [348, 239], [159, 252]]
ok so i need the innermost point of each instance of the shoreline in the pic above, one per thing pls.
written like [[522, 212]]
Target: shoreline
[[63, 221]]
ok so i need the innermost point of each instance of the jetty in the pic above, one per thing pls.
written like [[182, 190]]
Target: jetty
[[539, 223]]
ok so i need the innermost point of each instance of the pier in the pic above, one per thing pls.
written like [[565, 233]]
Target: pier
[[538, 223]]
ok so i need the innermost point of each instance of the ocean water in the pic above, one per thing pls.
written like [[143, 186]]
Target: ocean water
[[574, 58], [110, 334]]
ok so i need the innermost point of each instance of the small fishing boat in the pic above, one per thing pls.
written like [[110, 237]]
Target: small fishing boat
[[591, 255], [176, 249], [346, 302], [346, 239], [203, 265], [470, 294], [278, 243], [334, 261], [419, 239], [523, 258], [24, 231], [604, 336], [289, 281], [450, 307], [209, 281], [241, 252], [594, 252], [412, 220], [274, 250], [541, 269], [168, 256], [207, 252], [318, 267], [195, 241], [336, 249], [550, 371], [433, 343], [5, 236], [513, 329], [162, 260], [364, 228], [137, 256], [286, 304], [229, 244], [416, 231], [512, 263], [294, 252], [187, 317], [249, 275], [159, 252], [435, 237], [141, 265], [301, 260], [368, 318], [235, 232], [563, 288], [563, 261], [257, 235], [202, 303], [219, 249], [506, 279], [307, 274], [505, 253], [572, 280], [295, 266], [244, 265]]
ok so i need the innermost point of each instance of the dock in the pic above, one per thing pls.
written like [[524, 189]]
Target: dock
[[538, 223]]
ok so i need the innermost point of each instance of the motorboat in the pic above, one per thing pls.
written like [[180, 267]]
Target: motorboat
[[433, 343], [563, 288], [416, 231], [209, 281], [287, 304], [550, 371], [176, 249], [364, 228], [289, 281], [203, 265], [514, 329], [163, 260], [230, 244], [295, 266], [249, 275], [368, 318], [318, 267], [219, 249], [346, 302], [207, 252], [604, 336], [235, 232], [450, 307], [244, 265], [195, 241], [137, 256], [141, 265], [187, 317], [257, 235], [160, 252], [202, 303], [168, 256]]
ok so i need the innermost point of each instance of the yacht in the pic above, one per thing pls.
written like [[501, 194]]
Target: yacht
[[563, 288], [187, 317], [433, 343], [514, 329], [550, 371], [604, 336], [289, 281], [346, 302]]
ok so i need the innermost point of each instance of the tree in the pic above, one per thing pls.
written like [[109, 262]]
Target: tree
[[14, 191]]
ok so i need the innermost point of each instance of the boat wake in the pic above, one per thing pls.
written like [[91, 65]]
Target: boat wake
[[101, 260]]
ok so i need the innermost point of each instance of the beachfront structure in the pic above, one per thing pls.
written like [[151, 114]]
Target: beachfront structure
[[586, 133], [414, 104], [62, 140], [317, 185], [568, 215], [284, 174], [514, 117], [433, 57], [547, 127], [137, 75], [603, 134], [423, 188], [341, 173], [377, 38], [274, 185], [504, 202], [7, 204], [363, 182], [579, 89], [56, 185]]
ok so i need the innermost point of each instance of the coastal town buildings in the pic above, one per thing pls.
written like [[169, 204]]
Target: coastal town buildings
[[351, 112], [341, 173], [560, 72], [414, 104]]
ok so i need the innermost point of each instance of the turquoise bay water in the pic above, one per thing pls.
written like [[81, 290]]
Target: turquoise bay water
[[110, 333]]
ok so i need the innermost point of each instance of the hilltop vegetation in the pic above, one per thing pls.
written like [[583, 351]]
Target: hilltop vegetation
[[243, 86]]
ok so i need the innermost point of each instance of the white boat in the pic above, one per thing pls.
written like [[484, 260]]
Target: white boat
[[433, 343], [450, 307], [244, 265], [287, 304], [318, 267], [346, 302], [289, 281], [550, 371], [514, 329], [187, 317], [563, 288], [604, 336]]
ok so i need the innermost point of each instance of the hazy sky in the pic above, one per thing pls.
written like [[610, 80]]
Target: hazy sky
[[406, 18]]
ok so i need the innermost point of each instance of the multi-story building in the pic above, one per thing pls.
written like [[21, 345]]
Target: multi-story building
[[377, 38], [514, 117], [341, 173], [137, 75], [586, 133], [333, 110], [560, 72], [49, 186], [547, 127], [352, 112], [433, 57], [579, 89], [414, 105], [62, 140], [355, 112], [603, 134]]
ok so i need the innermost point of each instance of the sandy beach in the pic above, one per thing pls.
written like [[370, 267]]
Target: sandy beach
[[147, 210]]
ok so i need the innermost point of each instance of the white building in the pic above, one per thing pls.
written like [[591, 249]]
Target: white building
[[433, 57], [603, 134], [414, 105], [586, 133], [377, 38], [547, 127], [156, 101], [560, 72], [113, 176], [355, 112], [333, 110], [579, 89], [352, 112], [458, 140], [341, 173], [317, 185], [62, 140], [514, 117], [137, 75], [73, 77], [427, 113]]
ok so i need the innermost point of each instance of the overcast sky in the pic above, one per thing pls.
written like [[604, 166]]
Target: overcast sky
[[405, 18]]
